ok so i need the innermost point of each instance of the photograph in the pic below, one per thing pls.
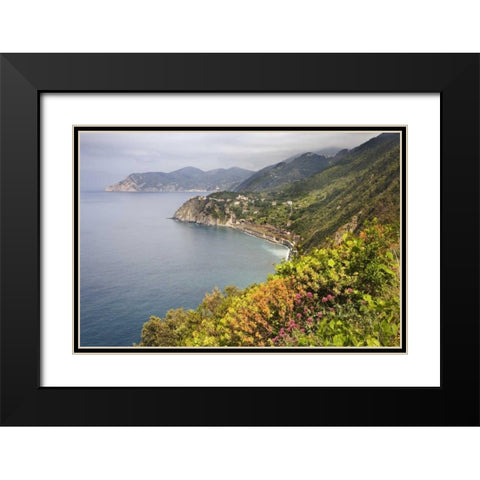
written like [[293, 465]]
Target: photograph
[[251, 238]]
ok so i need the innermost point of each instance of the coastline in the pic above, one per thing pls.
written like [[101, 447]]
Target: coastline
[[274, 242], [274, 236], [263, 236]]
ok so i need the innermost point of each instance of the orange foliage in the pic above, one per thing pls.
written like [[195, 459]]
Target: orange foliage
[[263, 310]]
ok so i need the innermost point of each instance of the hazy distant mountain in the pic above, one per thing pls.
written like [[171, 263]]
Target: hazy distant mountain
[[327, 152], [185, 179]]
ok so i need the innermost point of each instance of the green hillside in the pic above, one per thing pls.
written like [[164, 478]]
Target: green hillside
[[275, 176], [364, 184]]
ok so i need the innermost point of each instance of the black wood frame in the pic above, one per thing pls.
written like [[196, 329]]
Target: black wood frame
[[23, 77]]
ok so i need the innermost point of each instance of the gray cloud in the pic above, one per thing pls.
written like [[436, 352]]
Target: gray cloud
[[107, 157]]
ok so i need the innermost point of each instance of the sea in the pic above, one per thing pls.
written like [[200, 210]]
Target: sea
[[136, 261]]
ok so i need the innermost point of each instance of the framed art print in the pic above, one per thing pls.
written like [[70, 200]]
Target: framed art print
[[234, 239]]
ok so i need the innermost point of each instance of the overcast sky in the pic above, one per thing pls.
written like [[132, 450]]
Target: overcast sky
[[107, 157]]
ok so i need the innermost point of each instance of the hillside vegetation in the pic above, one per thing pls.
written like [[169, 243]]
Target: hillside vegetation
[[275, 176]]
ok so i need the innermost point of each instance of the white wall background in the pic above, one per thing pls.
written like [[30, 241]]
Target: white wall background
[[219, 26]]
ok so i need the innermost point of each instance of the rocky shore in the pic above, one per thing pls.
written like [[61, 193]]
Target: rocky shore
[[201, 210]]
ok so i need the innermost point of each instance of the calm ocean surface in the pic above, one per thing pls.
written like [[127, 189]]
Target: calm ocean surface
[[135, 261]]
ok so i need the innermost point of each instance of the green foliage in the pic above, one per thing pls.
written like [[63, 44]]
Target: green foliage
[[349, 295], [170, 331]]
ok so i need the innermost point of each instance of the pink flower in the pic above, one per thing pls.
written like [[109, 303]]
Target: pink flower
[[319, 314], [309, 320], [299, 315], [298, 296], [302, 330], [309, 294], [330, 297], [324, 299], [332, 310]]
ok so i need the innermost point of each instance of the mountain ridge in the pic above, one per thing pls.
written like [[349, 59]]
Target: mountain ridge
[[182, 180], [291, 170]]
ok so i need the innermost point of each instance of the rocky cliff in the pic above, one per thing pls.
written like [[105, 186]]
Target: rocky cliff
[[212, 211], [205, 211]]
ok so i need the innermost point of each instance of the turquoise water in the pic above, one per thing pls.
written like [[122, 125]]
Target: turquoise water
[[135, 261]]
